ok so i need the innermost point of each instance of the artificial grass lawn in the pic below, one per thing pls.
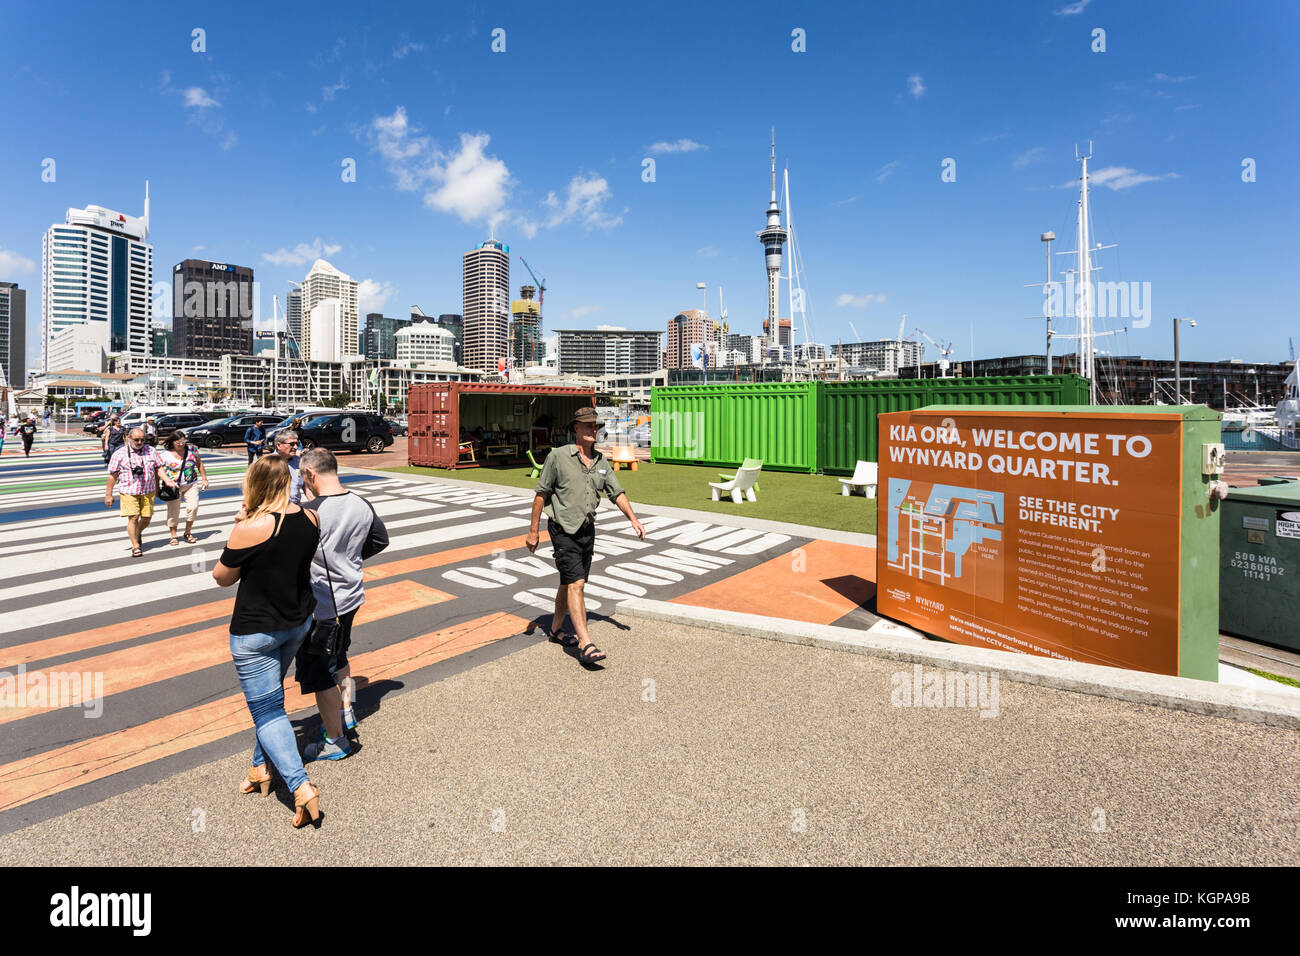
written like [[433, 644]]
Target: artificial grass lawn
[[782, 496]]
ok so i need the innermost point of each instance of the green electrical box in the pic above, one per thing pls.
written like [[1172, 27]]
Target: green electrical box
[[1259, 564]]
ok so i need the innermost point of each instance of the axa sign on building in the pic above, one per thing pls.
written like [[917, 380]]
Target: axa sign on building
[[1077, 533]]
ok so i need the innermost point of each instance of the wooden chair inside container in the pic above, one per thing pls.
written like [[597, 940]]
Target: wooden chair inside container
[[623, 455]]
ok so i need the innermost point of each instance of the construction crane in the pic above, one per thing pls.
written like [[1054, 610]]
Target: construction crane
[[944, 352], [541, 283]]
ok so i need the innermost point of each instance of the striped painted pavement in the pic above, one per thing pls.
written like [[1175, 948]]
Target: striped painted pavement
[[147, 638]]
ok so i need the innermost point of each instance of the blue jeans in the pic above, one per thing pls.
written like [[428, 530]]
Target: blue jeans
[[261, 661]]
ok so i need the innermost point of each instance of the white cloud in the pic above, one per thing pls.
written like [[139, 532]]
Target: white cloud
[[707, 252], [1121, 177], [372, 294], [584, 203], [887, 170], [1035, 155], [1189, 106], [302, 253], [1072, 9], [407, 48], [858, 301], [1166, 78], [11, 263], [584, 310], [197, 96], [475, 185], [327, 93], [915, 85], [681, 146], [471, 184]]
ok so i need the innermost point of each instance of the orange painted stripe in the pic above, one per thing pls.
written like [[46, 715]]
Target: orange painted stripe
[[184, 617], [145, 664], [776, 589], [54, 771], [112, 633], [440, 558]]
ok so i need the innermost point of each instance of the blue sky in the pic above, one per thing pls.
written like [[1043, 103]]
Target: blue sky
[[244, 144]]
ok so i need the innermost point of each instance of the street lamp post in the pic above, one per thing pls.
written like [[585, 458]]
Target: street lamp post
[[1178, 373]]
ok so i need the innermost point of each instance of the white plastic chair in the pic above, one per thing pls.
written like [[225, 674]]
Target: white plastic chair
[[864, 477], [741, 485]]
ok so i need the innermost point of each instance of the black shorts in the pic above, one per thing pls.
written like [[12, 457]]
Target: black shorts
[[572, 551], [316, 672]]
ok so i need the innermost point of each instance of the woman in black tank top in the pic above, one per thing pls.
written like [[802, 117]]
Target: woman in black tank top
[[269, 553]]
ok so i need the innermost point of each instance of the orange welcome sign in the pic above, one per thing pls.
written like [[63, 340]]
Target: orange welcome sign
[[1055, 535]]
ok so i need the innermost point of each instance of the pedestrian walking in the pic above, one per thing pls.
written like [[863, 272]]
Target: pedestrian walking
[[253, 436], [27, 432], [183, 465], [286, 446], [4, 426], [350, 531], [135, 470], [269, 553], [150, 432], [569, 489], [113, 436]]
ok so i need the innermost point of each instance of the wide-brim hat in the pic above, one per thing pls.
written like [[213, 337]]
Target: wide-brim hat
[[586, 414]]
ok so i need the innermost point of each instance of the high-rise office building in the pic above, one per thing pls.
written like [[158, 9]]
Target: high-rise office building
[[687, 328], [423, 343], [377, 338], [487, 305], [212, 309], [456, 323], [97, 269], [326, 282], [162, 341], [293, 314], [13, 334], [526, 346]]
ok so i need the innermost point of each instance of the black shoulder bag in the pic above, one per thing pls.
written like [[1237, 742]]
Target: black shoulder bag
[[326, 633]]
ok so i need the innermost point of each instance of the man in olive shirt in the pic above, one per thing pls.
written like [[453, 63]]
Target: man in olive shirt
[[569, 488]]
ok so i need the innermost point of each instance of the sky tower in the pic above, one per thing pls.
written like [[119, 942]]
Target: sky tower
[[773, 239]]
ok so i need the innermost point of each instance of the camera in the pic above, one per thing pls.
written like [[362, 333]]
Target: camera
[[137, 470]]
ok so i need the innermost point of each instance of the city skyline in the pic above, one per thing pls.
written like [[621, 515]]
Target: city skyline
[[440, 164]]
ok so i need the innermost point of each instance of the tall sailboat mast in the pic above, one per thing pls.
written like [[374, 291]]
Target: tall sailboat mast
[[1086, 355]]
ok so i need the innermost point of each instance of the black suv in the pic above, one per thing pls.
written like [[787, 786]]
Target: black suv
[[347, 431], [225, 431], [180, 422]]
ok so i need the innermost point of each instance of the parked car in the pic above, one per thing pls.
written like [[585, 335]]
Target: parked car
[[223, 431], [347, 431], [181, 422], [398, 427], [301, 417]]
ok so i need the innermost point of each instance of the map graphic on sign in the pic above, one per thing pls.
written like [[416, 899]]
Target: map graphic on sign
[[936, 532]]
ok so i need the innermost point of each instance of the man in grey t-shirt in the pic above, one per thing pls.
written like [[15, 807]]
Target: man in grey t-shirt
[[346, 522]]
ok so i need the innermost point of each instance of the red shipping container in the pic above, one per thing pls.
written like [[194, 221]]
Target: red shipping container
[[440, 410]]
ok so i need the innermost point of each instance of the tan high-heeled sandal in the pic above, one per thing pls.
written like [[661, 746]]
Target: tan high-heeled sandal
[[257, 777], [306, 803]]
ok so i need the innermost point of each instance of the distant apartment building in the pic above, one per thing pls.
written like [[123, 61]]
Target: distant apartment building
[[377, 339], [691, 327], [608, 351], [212, 309], [425, 343], [324, 282], [885, 355], [745, 349], [526, 346], [326, 327], [783, 336], [13, 334], [78, 347], [97, 270], [486, 306]]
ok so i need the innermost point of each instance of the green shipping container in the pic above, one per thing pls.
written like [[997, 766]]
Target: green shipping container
[[720, 425], [1259, 564], [847, 431]]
